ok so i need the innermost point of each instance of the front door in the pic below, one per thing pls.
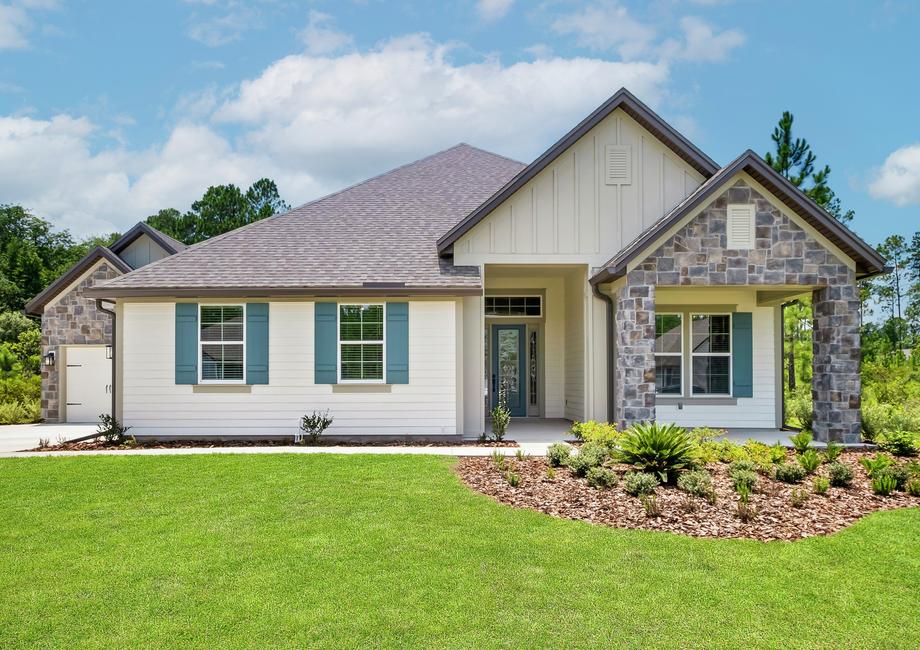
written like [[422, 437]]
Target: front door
[[508, 367]]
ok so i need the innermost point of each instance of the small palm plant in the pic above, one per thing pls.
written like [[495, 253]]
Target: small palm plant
[[660, 449]]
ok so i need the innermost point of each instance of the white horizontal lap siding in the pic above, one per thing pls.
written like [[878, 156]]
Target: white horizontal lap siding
[[154, 404], [758, 411]]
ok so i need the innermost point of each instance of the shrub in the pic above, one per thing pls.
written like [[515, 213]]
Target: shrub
[[876, 464], [801, 441], [110, 429], [558, 454], [601, 477], [745, 511], [809, 460], [498, 459], [777, 454], [599, 432], [501, 416], [550, 472], [14, 323], [697, 482], [789, 472], [820, 485], [800, 408], [313, 426], [744, 479], [636, 483], [913, 487], [513, 478], [663, 449], [520, 455], [832, 451], [840, 474], [591, 454], [650, 503], [758, 453], [900, 474], [742, 466], [899, 443], [884, 484], [895, 413], [798, 497], [17, 388], [20, 412]]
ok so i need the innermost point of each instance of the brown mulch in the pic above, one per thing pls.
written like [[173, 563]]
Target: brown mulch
[[570, 497], [97, 445]]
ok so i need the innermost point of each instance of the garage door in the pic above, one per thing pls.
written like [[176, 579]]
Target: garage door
[[88, 384]]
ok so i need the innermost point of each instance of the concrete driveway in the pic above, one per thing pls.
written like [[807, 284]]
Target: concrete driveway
[[16, 437]]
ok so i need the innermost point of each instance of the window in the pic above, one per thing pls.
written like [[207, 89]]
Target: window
[[711, 353], [514, 306], [361, 343], [222, 343], [668, 354]]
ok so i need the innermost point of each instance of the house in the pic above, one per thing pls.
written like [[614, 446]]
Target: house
[[77, 330], [623, 275]]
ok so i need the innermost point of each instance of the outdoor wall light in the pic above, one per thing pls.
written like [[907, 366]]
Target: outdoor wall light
[[108, 352], [49, 359]]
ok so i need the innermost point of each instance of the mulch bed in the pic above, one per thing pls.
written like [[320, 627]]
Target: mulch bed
[[570, 497], [97, 445]]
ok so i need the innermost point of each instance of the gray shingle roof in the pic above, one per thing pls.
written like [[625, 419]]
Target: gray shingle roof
[[382, 230]]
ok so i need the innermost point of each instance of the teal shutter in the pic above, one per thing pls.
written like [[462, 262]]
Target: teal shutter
[[257, 343], [186, 343], [325, 343], [397, 337], [742, 355]]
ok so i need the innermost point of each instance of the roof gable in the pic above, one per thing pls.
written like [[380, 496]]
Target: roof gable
[[37, 304], [868, 261], [167, 243], [622, 99]]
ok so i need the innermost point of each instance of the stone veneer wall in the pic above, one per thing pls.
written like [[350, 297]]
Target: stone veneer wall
[[783, 254], [72, 319]]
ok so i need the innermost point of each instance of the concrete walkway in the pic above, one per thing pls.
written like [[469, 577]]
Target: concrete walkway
[[15, 437]]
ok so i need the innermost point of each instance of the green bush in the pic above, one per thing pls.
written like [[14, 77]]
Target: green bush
[[14, 323], [743, 465], [17, 388], [636, 483], [20, 412], [591, 454], [663, 449], [743, 478], [899, 473], [913, 487], [777, 454], [513, 478], [501, 417], [809, 460], [800, 408], [832, 451], [884, 484], [820, 485], [801, 441], [840, 474], [789, 472], [697, 482], [558, 454], [879, 417], [876, 464], [599, 432], [601, 477], [798, 497], [899, 443]]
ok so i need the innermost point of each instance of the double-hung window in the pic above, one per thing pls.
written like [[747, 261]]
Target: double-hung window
[[711, 353], [361, 343], [669, 352], [222, 343]]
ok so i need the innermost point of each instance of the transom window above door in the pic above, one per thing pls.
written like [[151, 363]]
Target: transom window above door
[[514, 306]]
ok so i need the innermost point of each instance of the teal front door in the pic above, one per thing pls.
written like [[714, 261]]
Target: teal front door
[[508, 367]]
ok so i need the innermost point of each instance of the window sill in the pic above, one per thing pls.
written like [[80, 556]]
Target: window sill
[[361, 388], [221, 388], [724, 400]]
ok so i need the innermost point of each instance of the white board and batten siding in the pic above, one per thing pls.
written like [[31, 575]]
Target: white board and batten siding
[[596, 197], [153, 404], [142, 251], [758, 411]]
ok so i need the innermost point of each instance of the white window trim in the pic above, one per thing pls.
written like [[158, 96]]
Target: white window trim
[[683, 347], [338, 336], [731, 346], [201, 379], [513, 316]]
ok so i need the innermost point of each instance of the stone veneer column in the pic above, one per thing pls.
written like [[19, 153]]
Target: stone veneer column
[[835, 385], [635, 349]]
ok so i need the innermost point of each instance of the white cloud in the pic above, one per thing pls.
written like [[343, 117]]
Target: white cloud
[[227, 27], [321, 37], [898, 180], [607, 26], [491, 10], [14, 24], [313, 123], [701, 43]]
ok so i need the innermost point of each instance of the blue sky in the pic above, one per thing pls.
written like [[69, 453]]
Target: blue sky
[[112, 110]]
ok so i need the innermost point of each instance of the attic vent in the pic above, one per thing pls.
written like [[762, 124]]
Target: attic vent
[[740, 225], [618, 159]]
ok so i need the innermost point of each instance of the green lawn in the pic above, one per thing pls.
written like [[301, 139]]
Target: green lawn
[[392, 551]]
